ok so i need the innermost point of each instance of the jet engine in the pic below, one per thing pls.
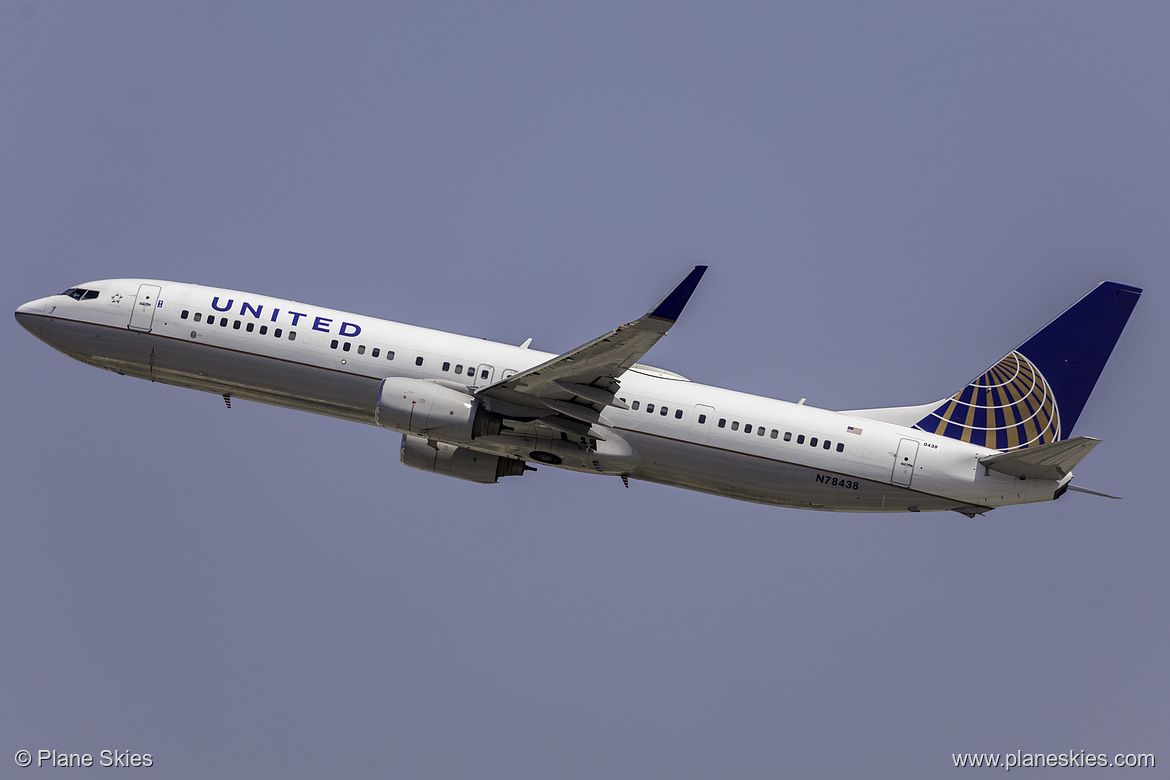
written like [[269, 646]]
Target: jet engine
[[441, 458], [433, 411]]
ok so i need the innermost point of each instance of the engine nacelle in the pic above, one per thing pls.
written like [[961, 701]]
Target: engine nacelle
[[459, 462], [432, 410]]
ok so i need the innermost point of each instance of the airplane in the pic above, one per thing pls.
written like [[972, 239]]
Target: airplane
[[480, 410]]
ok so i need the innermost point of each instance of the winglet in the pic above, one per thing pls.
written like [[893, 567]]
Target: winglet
[[670, 307]]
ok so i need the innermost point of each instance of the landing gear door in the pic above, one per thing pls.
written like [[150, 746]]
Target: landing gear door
[[904, 462], [142, 314]]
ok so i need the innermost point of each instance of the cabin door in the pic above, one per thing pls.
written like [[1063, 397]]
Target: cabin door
[[142, 314], [904, 462]]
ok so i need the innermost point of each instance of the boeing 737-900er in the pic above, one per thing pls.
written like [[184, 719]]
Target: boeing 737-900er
[[480, 410]]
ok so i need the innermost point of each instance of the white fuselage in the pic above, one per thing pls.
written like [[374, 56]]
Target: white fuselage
[[709, 439]]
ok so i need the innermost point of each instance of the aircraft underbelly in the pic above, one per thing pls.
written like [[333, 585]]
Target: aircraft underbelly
[[769, 481], [201, 366]]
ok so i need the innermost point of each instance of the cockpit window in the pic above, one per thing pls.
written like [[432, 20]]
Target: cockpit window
[[78, 294]]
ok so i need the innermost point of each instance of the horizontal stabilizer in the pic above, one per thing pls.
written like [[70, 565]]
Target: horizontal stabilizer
[[1045, 461]]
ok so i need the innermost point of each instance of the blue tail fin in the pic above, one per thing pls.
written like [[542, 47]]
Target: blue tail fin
[[1035, 394]]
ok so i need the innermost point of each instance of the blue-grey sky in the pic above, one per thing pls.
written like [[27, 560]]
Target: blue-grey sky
[[890, 196]]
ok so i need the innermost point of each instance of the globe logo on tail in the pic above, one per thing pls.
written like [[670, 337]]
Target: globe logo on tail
[[1009, 407]]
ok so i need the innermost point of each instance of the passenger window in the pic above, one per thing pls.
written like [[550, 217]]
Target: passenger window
[[761, 431], [389, 354], [210, 319], [663, 411], [446, 365], [650, 408], [276, 333], [263, 330], [458, 368], [702, 419], [183, 316], [223, 321], [840, 447], [775, 433], [787, 436], [635, 405], [722, 422], [236, 325], [747, 428], [333, 344], [292, 335], [346, 346], [418, 361], [735, 425], [483, 374], [198, 316], [800, 439], [361, 349], [678, 414], [827, 444], [812, 442], [374, 352], [251, 327]]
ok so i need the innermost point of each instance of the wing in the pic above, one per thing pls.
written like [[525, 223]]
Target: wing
[[569, 392]]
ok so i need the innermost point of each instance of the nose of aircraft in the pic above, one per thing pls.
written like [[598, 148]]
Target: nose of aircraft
[[31, 315]]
